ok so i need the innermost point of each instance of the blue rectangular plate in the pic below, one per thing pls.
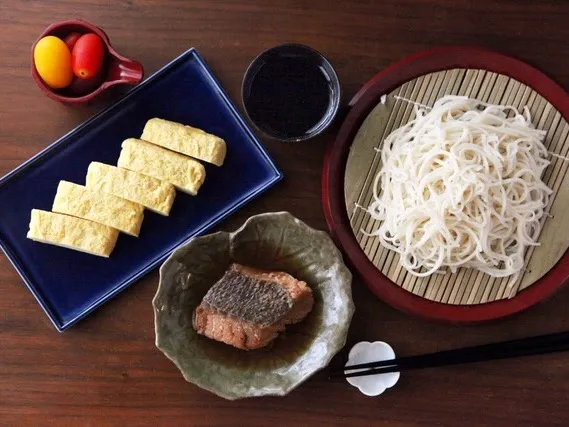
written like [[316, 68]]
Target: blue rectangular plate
[[68, 284]]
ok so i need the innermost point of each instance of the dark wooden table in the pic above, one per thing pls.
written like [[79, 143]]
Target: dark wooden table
[[106, 370]]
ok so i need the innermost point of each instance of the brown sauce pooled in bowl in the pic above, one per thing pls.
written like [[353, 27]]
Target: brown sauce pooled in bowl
[[284, 349]]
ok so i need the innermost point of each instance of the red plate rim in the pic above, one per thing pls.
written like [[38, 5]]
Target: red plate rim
[[335, 161]]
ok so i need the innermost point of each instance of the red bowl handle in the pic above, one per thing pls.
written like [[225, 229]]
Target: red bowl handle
[[122, 70]]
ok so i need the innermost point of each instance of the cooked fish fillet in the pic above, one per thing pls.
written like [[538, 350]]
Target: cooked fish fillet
[[152, 193], [187, 140], [77, 200], [72, 233], [248, 307], [236, 332], [140, 156], [299, 291]]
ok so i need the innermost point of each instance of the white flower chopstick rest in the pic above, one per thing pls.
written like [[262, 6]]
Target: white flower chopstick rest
[[363, 352]]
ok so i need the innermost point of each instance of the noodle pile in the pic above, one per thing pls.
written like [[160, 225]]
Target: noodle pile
[[460, 186]]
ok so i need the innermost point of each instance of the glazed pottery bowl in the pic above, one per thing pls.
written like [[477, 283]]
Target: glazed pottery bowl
[[275, 241]]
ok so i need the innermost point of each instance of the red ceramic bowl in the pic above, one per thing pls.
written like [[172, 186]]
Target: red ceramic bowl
[[334, 170], [116, 69]]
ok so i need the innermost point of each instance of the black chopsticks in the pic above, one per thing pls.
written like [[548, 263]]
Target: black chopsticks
[[535, 345]]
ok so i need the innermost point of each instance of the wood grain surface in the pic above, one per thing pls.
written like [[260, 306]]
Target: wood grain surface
[[105, 371]]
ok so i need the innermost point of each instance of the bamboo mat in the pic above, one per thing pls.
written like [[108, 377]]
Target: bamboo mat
[[466, 286]]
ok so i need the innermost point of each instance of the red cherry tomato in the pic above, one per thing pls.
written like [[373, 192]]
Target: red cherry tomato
[[87, 56], [71, 39]]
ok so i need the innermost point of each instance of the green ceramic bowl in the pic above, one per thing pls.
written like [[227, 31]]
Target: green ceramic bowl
[[275, 241]]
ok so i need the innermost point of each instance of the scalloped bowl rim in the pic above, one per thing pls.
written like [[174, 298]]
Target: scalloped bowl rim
[[278, 390]]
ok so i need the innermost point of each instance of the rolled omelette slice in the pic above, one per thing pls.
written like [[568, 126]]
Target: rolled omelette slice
[[184, 139], [140, 156], [152, 193], [112, 211], [72, 233]]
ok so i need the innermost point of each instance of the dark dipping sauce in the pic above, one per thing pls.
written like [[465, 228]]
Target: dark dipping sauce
[[291, 95]]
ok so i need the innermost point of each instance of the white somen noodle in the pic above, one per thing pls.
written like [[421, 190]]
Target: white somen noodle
[[460, 186]]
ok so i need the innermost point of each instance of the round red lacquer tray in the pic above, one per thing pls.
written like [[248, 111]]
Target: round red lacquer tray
[[333, 177]]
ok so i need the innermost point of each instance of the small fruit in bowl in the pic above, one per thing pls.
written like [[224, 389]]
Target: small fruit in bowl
[[70, 40], [87, 56], [52, 60], [97, 64], [80, 87], [74, 62]]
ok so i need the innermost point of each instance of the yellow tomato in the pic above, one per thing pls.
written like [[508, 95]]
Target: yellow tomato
[[53, 62]]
